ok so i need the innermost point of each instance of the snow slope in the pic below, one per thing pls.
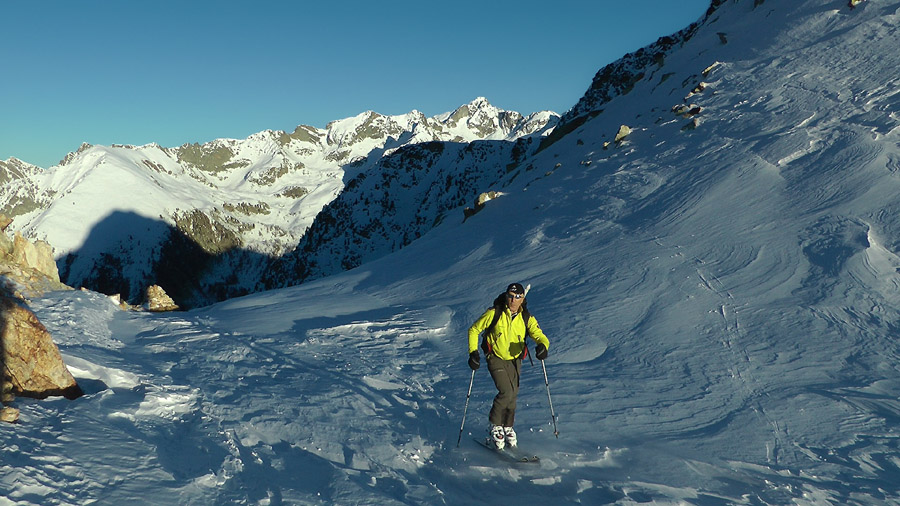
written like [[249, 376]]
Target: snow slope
[[721, 299]]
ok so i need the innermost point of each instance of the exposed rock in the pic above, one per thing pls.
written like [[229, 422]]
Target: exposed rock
[[37, 255], [479, 203], [158, 300], [484, 197], [26, 269], [9, 414], [6, 394], [118, 301], [620, 77], [213, 236], [708, 70], [692, 125], [6, 246], [687, 111], [32, 364], [701, 86], [624, 131]]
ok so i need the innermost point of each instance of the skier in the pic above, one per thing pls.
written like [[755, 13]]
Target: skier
[[504, 326]]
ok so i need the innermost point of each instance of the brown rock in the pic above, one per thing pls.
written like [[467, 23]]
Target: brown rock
[[158, 300], [624, 131], [37, 255], [31, 361], [9, 414]]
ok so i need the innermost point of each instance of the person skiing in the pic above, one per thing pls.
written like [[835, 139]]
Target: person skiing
[[505, 326]]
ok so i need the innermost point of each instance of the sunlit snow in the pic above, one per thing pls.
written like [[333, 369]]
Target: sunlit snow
[[721, 301]]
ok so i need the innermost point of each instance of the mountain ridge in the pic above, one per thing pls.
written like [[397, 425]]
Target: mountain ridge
[[256, 195]]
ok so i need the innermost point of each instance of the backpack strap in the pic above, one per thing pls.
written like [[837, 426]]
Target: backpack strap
[[499, 306]]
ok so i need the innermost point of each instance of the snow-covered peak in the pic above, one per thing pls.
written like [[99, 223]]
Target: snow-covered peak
[[480, 107], [368, 127], [14, 164]]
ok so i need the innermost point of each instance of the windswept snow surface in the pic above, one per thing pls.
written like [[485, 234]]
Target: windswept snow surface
[[722, 305]]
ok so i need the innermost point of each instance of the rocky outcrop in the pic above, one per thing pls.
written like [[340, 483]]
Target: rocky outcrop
[[483, 197], [158, 300], [406, 194], [621, 76], [37, 255], [27, 269], [19, 192], [30, 362]]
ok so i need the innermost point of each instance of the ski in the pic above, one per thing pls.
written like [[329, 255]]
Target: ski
[[511, 454]]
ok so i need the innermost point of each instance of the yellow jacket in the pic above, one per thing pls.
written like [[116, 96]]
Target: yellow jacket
[[507, 340]]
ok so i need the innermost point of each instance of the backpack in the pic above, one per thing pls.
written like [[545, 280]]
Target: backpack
[[498, 307]]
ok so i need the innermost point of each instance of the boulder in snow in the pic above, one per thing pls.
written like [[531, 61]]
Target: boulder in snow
[[479, 203], [158, 300], [624, 131], [32, 364], [9, 415]]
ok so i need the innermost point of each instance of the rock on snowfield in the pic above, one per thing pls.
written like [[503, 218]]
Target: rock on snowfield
[[158, 300], [31, 361]]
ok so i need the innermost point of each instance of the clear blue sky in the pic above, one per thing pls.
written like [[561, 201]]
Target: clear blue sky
[[176, 71]]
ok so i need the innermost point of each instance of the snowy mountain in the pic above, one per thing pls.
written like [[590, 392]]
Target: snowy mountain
[[719, 287], [124, 217]]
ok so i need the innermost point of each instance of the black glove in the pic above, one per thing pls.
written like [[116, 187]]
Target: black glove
[[474, 360], [540, 351]]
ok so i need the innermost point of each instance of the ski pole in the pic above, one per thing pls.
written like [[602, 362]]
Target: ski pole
[[467, 408], [552, 414]]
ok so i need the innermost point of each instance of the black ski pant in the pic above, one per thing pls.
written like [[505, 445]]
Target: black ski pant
[[505, 374]]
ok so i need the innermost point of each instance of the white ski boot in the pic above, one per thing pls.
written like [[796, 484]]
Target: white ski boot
[[510, 436], [498, 437]]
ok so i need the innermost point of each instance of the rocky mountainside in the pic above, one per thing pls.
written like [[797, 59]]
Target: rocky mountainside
[[410, 191], [207, 220], [19, 191], [406, 194], [621, 76]]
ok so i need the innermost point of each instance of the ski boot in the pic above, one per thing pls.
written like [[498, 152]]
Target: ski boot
[[510, 436], [497, 437]]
